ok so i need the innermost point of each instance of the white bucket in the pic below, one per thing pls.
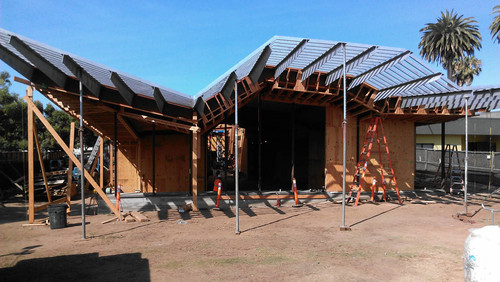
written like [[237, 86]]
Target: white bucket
[[482, 254]]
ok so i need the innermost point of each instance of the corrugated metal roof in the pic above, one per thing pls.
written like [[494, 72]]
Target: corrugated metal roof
[[101, 73], [385, 68], [392, 71], [479, 98]]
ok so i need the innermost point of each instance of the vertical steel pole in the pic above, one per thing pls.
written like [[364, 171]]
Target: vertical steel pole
[[82, 171], [466, 148], [236, 172], [443, 152], [115, 144], [259, 129], [344, 138], [154, 158]]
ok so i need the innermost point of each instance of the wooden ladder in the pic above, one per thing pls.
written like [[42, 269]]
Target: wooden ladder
[[387, 174]]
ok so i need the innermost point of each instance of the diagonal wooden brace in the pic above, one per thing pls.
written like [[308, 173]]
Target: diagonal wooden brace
[[72, 157]]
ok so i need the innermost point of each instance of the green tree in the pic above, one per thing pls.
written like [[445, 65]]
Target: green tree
[[451, 37], [13, 121], [465, 70], [495, 25]]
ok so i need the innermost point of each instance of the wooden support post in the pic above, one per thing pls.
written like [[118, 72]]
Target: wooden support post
[[40, 159], [111, 166], [154, 158], [69, 189], [259, 130], [101, 163], [194, 166], [443, 152], [72, 156], [115, 164], [31, 161], [293, 142]]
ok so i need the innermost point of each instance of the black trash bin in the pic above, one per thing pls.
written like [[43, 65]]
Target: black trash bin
[[57, 216]]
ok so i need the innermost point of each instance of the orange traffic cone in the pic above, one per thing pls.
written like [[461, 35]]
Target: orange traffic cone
[[219, 191], [118, 198], [295, 195]]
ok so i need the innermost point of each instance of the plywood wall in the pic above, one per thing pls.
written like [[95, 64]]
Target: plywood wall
[[401, 140], [173, 162], [333, 149]]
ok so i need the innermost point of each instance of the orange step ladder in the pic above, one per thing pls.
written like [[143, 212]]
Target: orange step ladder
[[388, 177]]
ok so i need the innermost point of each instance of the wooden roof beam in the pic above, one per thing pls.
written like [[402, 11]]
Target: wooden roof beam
[[55, 74], [320, 61], [127, 94], [259, 66], [20, 65], [89, 81], [288, 60], [378, 69], [128, 127], [352, 63]]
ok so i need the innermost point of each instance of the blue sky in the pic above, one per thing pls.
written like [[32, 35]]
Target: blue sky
[[185, 45]]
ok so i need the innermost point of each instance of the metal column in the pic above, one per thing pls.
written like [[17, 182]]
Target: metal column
[[82, 171], [259, 129], [236, 167], [466, 149], [344, 138], [154, 158]]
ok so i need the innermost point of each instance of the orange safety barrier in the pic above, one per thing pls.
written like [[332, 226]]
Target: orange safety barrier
[[218, 184], [295, 195], [118, 198]]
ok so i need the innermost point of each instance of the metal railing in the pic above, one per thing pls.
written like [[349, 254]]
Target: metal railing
[[492, 210]]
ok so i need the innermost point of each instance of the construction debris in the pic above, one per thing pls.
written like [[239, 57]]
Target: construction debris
[[139, 217]]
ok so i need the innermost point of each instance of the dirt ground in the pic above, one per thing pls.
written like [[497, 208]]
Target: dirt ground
[[418, 241]]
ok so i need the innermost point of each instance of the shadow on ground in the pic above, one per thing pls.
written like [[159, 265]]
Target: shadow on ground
[[84, 267]]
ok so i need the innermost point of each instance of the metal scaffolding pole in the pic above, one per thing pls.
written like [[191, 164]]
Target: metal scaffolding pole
[[236, 167], [344, 139], [466, 149], [82, 178]]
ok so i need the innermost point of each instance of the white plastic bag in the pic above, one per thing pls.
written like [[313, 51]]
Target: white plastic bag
[[482, 254]]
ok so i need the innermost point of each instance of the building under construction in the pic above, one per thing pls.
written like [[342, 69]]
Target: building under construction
[[290, 98]]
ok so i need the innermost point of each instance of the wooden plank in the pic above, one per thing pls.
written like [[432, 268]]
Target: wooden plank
[[12, 181], [40, 159], [69, 189], [139, 217], [194, 165], [101, 163], [109, 220], [31, 161], [111, 165], [273, 197], [43, 207], [128, 127], [73, 157]]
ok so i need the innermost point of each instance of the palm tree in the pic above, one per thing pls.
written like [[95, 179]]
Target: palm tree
[[495, 25], [450, 38], [465, 69]]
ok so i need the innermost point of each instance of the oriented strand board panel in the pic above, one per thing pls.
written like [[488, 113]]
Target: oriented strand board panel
[[333, 149], [401, 140], [172, 164], [127, 167], [400, 136]]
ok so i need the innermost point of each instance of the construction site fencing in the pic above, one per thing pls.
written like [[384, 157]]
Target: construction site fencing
[[23, 156], [479, 162]]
